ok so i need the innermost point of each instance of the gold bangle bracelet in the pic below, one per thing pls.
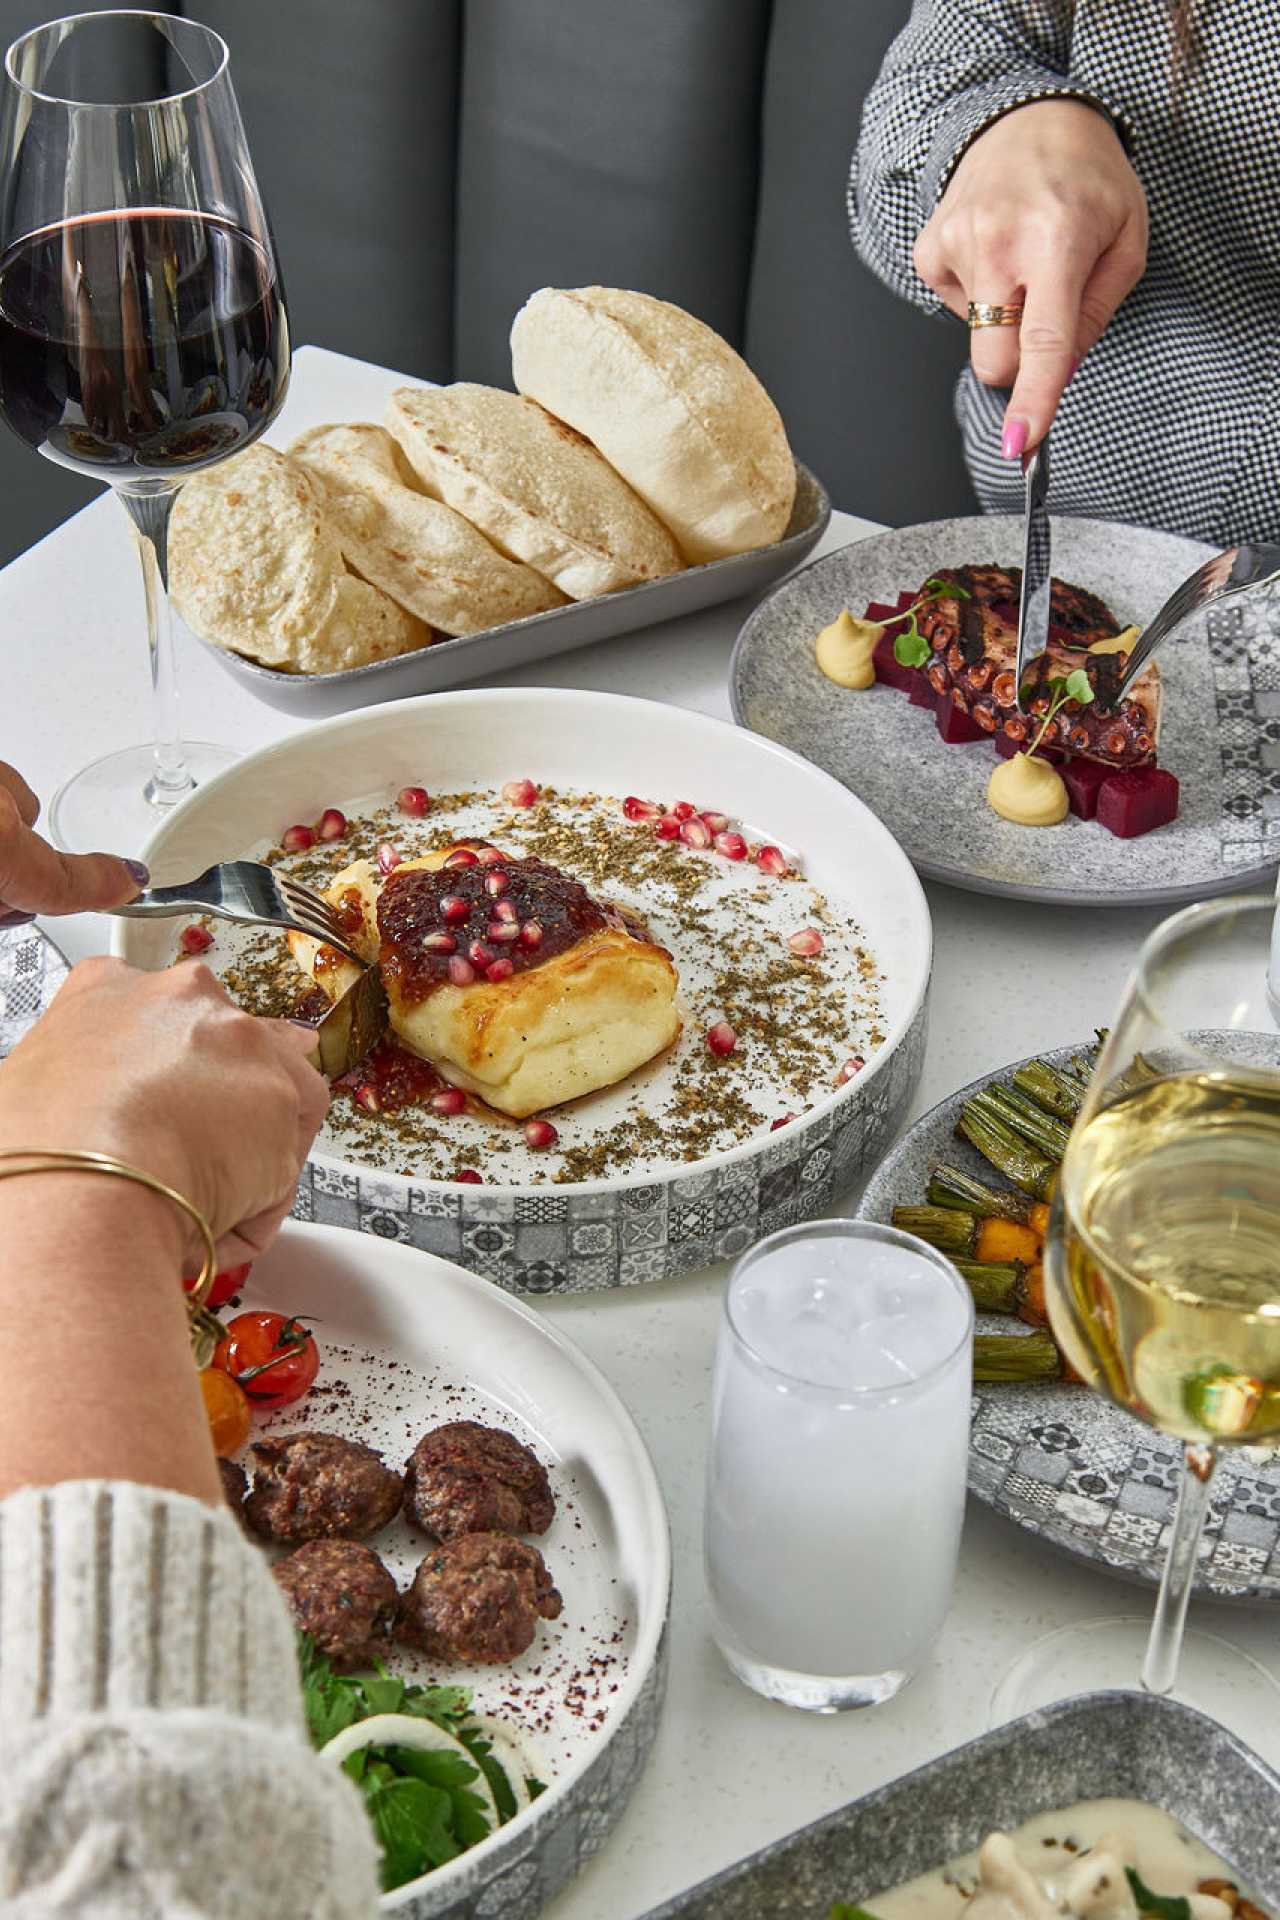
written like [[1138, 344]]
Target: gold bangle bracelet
[[44, 1160]]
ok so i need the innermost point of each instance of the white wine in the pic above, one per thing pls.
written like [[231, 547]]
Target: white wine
[[1163, 1269]]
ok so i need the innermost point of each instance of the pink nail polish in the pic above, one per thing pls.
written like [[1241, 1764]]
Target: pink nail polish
[[1015, 439]]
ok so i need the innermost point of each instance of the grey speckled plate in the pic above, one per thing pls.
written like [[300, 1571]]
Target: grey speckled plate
[[1220, 731], [31, 971], [1128, 1745], [1068, 1465]]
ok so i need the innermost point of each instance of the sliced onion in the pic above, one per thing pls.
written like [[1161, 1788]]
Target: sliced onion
[[409, 1730]]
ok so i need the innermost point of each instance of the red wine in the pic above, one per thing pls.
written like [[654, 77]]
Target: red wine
[[144, 342]]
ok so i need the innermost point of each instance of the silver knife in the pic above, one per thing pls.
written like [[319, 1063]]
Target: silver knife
[[354, 1023], [1037, 566]]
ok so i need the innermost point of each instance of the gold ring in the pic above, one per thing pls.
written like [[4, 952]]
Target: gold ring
[[981, 314]]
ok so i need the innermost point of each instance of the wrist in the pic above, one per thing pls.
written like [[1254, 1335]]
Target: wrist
[[46, 1217]]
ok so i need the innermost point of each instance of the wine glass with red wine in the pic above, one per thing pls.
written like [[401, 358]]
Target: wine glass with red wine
[[143, 332]]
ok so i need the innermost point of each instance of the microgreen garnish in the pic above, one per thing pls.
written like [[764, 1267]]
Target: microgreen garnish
[[1162, 1906], [1076, 686], [911, 649]]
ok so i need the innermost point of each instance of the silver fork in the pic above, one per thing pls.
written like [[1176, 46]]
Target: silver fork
[[253, 894], [1221, 578]]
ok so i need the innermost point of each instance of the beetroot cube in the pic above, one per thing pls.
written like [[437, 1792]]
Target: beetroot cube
[[922, 694], [905, 600], [890, 671], [877, 610], [1135, 802], [1082, 779], [955, 727]]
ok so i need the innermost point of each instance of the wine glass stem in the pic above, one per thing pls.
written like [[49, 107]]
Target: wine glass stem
[[1160, 1668], [171, 779]]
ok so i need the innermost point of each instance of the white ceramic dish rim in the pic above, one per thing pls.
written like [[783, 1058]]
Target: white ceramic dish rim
[[570, 698], [654, 1515]]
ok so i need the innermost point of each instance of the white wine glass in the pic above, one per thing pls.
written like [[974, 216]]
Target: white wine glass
[[143, 330], [1162, 1278]]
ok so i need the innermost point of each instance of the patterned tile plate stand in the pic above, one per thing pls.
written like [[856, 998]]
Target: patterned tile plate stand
[[1220, 732], [1128, 1745], [31, 971], [1066, 1463]]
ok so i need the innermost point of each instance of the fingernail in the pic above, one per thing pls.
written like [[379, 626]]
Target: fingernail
[[1014, 442], [140, 872], [16, 919]]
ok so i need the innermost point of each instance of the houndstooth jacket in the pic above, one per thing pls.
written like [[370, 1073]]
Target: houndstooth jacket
[[1174, 418]]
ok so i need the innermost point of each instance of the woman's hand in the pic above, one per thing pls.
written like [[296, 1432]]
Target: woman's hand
[[1043, 208], [35, 878], [161, 1070]]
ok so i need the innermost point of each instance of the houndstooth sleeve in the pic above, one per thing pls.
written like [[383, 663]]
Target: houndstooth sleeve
[[956, 67]]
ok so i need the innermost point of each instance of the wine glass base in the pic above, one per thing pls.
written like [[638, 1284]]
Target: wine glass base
[[107, 807], [1215, 1677]]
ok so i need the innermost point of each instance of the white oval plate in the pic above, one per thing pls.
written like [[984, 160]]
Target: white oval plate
[[409, 1345], [1220, 676], [663, 1216]]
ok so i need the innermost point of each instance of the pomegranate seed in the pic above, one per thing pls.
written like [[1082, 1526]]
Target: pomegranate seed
[[463, 857], [499, 969], [531, 934], [414, 800], [519, 793], [806, 943], [389, 856], [731, 845], [684, 810], [449, 1100], [331, 825], [695, 833], [479, 955], [495, 880], [440, 943], [469, 1178], [461, 972], [641, 809], [505, 910], [667, 828], [718, 822], [297, 839], [454, 909], [195, 940], [783, 1121], [849, 1068], [721, 1038], [367, 1097], [489, 856], [771, 860], [502, 931], [540, 1133]]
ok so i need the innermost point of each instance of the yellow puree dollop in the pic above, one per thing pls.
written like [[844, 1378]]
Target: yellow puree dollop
[[1029, 792], [1119, 642], [843, 651]]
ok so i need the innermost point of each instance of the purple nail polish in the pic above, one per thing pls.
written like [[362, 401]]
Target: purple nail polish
[[140, 872], [1013, 445], [15, 920]]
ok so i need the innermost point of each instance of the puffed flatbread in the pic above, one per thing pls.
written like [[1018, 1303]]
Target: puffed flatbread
[[431, 560], [669, 404], [255, 567], [537, 488]]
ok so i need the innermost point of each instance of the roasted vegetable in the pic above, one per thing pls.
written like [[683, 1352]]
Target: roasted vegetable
[[1021, 1113], [1010, 1358], [1010, 1288], [983, 1128], [1058, 1093], [950, 1187], [966, 1237]]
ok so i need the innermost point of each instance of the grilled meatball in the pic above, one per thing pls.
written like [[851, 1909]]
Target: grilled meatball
[[235, 1485], [317, 1486], [468, 1478], [479, 1598], [343, 1596]]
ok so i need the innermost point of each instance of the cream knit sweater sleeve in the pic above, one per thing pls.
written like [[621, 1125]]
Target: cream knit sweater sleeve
[[153, 1760]]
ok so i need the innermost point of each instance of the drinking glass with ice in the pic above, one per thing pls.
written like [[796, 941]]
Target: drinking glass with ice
[[836, 1477]]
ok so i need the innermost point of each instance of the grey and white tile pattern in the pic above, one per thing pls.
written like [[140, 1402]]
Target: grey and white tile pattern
[[31, 971]]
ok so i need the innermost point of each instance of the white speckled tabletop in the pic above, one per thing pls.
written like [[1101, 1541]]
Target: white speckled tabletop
[[729, 1772]]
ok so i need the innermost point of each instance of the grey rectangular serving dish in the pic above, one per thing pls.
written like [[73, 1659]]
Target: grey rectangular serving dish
[[450, 663], [1131, 1745]]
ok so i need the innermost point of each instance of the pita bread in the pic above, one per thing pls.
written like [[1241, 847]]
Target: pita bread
[[538, 489], [669, 404], [426, 556], [255, 567]]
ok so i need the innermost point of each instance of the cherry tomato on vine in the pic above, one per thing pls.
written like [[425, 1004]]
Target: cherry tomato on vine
[[273, 1358], [225, 1286], [228, 1410]]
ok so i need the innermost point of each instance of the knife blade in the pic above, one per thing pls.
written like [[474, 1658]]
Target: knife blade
[[1037, 566], [354, 1023]]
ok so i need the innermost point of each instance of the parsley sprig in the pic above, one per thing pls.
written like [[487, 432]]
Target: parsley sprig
[[1076, 686], [911, 649]]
